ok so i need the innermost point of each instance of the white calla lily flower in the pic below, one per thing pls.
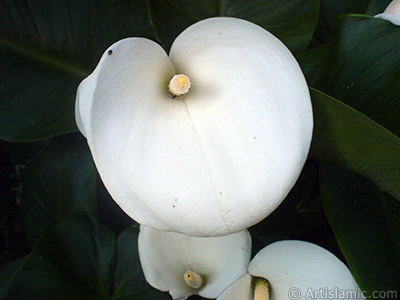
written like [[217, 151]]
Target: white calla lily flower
[[392, 13], [294, 270], [185, 265], [206, 141]]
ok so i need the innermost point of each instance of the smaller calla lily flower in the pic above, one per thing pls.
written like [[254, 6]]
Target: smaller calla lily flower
[[185, 265], [294, 270], [392, 13]]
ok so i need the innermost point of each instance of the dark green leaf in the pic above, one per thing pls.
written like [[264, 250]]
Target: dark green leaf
[[79, 259], [312, 63], [355, 211], [73, 261], [38, 278], [364, 68], [346, 138], [47, 47], [331, 9], [8, 270], [22, 154], [87, 250], [129, 279], [292, 21], [391, 208], [61, 182]]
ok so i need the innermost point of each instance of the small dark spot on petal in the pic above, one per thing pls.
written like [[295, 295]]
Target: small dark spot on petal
[[220, 193], [110, 52], [173, 206], [254, 137]]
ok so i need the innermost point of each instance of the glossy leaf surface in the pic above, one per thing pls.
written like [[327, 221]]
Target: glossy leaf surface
[[331, 9], [72, 262], [79, 259], [363, 69], [60, 183], [347, 138], [292, 21], [47, 48], [354, 207]]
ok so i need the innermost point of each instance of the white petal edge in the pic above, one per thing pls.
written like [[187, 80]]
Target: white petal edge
[[166, 256], [303, 266], [83, 103], [393, 8], [391, 13], [394, 19]]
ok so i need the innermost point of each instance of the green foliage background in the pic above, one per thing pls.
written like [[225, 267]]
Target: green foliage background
[[82, 246]]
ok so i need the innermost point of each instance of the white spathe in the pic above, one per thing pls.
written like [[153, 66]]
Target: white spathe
[[296, 270], [166, 256], [215, 162], [392, 13]]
